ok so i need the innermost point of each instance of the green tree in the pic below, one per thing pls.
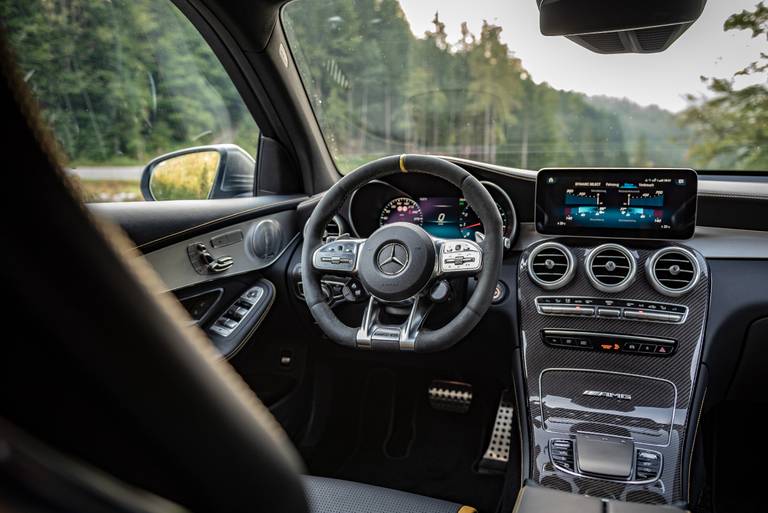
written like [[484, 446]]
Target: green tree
[[731, 126], [124, 80]]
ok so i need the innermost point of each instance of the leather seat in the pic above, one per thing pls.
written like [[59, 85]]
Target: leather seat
[[325, 495], [201, 439]]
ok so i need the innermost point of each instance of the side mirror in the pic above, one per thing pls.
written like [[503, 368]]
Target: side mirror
[[203, 172], [629, 26]]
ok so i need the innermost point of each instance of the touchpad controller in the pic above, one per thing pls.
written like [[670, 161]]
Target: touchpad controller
[[604, 456]]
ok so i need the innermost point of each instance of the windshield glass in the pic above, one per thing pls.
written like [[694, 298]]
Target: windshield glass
[[477, 80]]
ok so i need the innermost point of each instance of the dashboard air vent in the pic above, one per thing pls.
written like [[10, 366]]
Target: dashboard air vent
[[673, 271], [611, 268], [551, 265], [333, 229]]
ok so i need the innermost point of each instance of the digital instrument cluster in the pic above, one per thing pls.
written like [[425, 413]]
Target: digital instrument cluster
[[636, 203], [446, 217], [429, 202]]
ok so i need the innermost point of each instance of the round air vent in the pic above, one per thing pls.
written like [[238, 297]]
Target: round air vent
[[551, 265], [673, 271], [611, 268], [333, 229]]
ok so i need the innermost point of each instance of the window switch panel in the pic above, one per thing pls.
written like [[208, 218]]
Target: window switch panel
[[227, 323]]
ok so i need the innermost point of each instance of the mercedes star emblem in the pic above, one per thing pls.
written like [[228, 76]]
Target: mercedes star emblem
[[392, 258]]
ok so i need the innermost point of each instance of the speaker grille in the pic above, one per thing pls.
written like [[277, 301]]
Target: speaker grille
[[605, 42], [657, 38]]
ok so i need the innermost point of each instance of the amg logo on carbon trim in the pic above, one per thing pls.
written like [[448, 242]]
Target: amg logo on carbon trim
[[609, 395]]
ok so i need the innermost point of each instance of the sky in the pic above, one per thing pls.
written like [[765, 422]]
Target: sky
[[661, 78]]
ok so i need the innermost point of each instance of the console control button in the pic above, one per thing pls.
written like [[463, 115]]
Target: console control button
[[647, 465], [561, 454], [647, 315], [587, 311], [626, 309], [610, 343]]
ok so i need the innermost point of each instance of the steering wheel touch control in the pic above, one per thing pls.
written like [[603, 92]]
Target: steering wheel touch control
[[400, 264]]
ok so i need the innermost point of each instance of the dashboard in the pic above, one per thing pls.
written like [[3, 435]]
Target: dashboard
[[610, 335]]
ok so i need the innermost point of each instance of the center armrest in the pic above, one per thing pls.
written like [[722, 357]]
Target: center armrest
[[537, 499]]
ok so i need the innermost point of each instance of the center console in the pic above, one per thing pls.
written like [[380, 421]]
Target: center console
[[611, 332]]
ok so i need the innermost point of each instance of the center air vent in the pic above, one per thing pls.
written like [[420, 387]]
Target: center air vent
[[673, 271], [610, 268], [551, 265]]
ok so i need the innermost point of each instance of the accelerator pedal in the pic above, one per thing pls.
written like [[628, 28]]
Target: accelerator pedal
[[451, 396], [497, 454]]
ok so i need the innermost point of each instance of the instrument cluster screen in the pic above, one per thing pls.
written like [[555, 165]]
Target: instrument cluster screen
[[634, 203], [443, 217]]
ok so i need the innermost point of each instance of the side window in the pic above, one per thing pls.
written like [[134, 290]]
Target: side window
[[122, 82]]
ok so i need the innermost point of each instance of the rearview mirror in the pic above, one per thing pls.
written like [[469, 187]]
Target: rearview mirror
[[629, 26], [203, 172]]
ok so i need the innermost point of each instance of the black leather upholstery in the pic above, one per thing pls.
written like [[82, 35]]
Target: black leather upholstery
[[109, 372], [326, 495]]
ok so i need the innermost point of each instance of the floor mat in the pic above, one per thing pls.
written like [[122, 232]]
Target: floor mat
[[401, 442], [737, 485]]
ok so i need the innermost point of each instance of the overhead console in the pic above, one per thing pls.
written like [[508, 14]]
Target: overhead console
[[612, 331]]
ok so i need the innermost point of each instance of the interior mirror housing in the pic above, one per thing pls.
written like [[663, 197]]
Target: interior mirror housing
[[630, 26], [203, 172]]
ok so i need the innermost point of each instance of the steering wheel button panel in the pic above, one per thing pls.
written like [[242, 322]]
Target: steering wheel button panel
[[339, 255], [460, 256]]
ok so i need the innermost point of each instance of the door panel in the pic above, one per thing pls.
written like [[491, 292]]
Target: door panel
[[260, 236]]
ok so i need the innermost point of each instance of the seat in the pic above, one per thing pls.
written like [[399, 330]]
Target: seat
[[91, 381], [325, 495]]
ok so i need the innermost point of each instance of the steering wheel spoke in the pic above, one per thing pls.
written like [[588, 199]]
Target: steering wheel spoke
[[459, 257], [339, 256], [375, 334]]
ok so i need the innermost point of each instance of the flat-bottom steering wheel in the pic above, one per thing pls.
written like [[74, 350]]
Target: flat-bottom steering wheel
[[401, 263]]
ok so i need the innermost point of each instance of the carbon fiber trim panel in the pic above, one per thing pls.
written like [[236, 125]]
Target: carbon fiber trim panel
[[648, 429], [572, 403]]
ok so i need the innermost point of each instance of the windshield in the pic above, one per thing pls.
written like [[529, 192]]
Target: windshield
[[477, 80]]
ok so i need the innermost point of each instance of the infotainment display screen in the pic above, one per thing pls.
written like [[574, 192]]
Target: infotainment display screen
[[630, 203]]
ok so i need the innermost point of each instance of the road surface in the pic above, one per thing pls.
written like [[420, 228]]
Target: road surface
[[132, 173]]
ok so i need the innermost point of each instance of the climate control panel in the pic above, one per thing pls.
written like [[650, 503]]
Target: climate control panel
[[626, 309]]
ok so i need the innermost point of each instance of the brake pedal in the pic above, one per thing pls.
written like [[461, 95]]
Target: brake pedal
[[452, 396], [497, 454]]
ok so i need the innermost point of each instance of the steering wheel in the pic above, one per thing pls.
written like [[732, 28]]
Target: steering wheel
[[401, 264]]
